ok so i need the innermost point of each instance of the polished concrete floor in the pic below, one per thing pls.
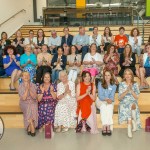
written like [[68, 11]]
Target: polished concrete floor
[[16, 139]]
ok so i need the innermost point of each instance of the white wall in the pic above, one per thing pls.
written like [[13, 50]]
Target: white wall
[[9, 8], [40, 4]]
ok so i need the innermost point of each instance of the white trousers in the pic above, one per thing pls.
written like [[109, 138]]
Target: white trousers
[[106, 111], [72, 76]]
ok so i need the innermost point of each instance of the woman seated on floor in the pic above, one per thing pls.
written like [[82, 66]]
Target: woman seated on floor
[[11, 61], [93, 61], [86, 110], [144, 70], [106, 94], [128, 109], [65, 111], [127, 60]]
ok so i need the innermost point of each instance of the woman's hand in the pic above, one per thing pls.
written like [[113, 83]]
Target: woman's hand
[[109, 101], [42, 88]]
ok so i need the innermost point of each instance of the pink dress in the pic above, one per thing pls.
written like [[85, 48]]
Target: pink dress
[[29, 106]]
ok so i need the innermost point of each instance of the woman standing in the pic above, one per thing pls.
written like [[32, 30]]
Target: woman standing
[[128, 107], [74, 61], [11, 61], [93, 62], [107, 38], [18, 42], [127, 60], [28, 103], [65, 111], [28, 62], [86, 111], [47, 100], [106, 94]]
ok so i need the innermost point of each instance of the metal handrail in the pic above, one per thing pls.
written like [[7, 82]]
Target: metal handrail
[[147, 22], [22, 10]]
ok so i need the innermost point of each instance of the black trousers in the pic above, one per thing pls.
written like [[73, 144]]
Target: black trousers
[[41, 71]]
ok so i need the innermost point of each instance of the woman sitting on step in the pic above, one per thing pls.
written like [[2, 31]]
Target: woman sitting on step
[[28, 62], [106, 94], [93, 62], [128, 109], [74, 61], [86, 110], [144, 69], [28, 103], [11, 61]]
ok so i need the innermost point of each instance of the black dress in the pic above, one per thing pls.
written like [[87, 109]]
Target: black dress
[[132, 65], [7, 43], [19, 48]]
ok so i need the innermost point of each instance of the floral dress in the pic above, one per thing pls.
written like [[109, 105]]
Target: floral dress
[[65, 111], [126, 103], [112, 63], [46, 107]]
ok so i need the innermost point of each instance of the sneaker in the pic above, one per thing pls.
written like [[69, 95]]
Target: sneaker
[[65, 129], [141, 88]]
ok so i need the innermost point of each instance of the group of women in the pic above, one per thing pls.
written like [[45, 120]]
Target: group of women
[[65, 106], [62, 104]]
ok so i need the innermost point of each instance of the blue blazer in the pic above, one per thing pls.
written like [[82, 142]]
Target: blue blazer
[[63, 60], [68, 41]]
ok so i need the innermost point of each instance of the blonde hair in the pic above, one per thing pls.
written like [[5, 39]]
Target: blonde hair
[[131, 73]]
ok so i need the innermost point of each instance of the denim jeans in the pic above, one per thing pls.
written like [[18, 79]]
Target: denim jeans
[[55, 75]]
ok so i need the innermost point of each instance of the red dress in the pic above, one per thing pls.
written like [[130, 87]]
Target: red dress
[[84, 105]]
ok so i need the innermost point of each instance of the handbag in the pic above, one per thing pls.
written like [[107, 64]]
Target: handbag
[[147, 124], [48, 131]]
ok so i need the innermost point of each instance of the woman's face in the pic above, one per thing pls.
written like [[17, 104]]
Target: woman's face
[[10, 51], [107, 76], [128, 49], [93, 48], [44, 48], [18, 34], [107, 30], [112, 49], [87, 78], [135, 32], [26, 77], [28, 48], [4, 36], [60, 52], [148, 49], [127, 76], [63, 77], [31, 34], [121, 32], [47, 78], [40, 33], [95, 31], [73, 49]]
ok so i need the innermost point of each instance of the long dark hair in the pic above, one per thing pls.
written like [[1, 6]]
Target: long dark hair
[[110, 34], [42, 31], [112, 80]]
